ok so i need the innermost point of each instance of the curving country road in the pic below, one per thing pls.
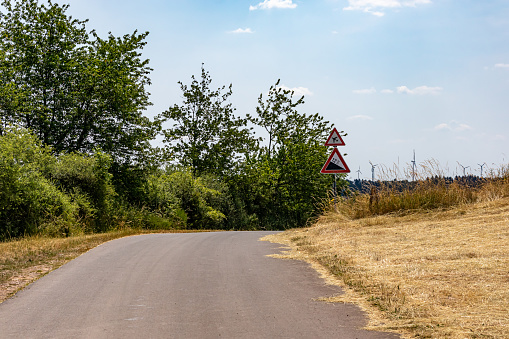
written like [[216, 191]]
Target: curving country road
[[196, 285]]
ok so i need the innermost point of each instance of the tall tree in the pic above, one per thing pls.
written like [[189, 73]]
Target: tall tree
[[206, 135], [286, 179], [75, 90]]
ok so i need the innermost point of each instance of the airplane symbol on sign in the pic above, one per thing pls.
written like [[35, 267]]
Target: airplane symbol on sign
[[335, 139]]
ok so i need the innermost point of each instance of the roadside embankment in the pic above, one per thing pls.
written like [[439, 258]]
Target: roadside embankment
[[427, 273]]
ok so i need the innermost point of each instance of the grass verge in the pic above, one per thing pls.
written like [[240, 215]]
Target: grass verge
[[424, 273]]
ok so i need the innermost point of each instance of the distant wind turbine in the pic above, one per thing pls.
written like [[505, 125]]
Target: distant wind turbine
[[359, 173], [464, 168], [372, 171], [413, 168], [481, 165]]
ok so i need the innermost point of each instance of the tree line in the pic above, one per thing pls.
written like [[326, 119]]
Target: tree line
[[76, 149], [363, 186]]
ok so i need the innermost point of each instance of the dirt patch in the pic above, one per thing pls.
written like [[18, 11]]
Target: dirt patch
[[23, 278]]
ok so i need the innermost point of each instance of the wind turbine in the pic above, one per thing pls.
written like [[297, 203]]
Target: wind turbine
[[359, 173], [372, 171], [464, 168], [481, 165], [413, 168]]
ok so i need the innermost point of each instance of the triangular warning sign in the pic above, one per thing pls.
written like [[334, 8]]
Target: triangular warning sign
[[335, 139], [335, 164]]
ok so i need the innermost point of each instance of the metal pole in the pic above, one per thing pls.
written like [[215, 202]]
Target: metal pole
[[335, 194]]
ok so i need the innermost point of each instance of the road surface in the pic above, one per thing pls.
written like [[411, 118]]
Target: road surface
[[196, 285]]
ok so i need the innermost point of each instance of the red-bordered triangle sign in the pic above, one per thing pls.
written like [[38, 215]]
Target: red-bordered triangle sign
[[335, 139], [335, 164]]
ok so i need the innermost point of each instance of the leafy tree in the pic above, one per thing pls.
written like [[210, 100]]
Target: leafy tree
[[74, 92], [285, 178], [205, 134]]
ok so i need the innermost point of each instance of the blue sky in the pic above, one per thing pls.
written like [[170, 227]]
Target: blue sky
[[396, 75]]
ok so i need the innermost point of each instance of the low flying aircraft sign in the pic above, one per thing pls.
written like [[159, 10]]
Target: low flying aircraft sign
[[335, 164], [335, 139]]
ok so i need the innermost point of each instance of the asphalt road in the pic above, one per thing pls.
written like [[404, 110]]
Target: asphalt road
[[198, 285]]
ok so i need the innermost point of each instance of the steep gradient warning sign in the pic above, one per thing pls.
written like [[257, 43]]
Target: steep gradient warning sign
[[335, 164]]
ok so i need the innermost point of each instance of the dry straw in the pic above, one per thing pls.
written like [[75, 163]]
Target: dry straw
[[429, 261]]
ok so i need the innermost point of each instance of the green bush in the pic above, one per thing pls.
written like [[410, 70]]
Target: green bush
[[29, 202], [185, 199], [87, 181]]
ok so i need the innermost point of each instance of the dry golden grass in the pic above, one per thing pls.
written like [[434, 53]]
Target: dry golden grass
[[427, 274]]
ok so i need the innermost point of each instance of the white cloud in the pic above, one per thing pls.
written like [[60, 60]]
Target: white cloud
[[421, 90], [441, 127], [505, 66], [365, 91], [359, 117], [464, 127], [299, 91], [453, 126], [499, 137], [268, 4], [242, 31], [376, 7]]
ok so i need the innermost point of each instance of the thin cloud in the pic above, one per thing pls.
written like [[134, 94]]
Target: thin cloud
[[360, 117], [376, 7], [421, 90], [298, 90], [269, 4], [505, 66], [453, 126], [365, 91], [441, 127], [242, 31], [463, 127]]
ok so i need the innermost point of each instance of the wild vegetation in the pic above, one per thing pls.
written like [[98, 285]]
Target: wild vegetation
[[76, 152], [427, 260]]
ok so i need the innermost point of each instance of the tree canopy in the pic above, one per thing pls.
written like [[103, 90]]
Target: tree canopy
[[73, 89], [206, 135]]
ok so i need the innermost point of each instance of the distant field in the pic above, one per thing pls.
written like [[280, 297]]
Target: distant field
[[427, 273]]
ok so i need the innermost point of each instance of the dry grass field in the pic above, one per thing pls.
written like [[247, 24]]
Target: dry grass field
[[424, 273]]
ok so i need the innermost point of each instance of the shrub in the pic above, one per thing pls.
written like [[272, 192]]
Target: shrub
[[189, 200], [30, 203], [87, 181]]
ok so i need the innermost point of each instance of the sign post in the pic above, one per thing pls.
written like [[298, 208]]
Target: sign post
[[335, 164]]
